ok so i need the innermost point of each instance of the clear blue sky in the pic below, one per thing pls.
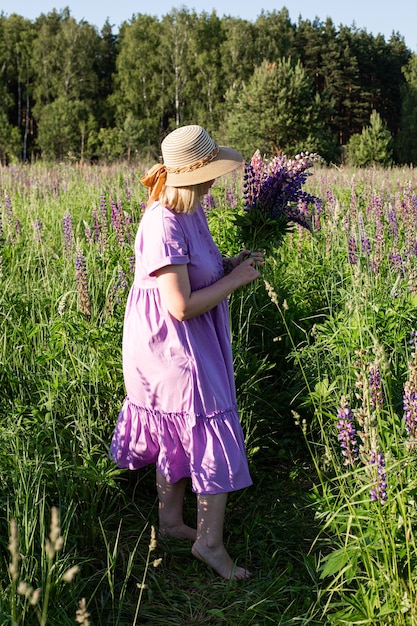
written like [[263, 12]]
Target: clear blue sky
[[375, 16]]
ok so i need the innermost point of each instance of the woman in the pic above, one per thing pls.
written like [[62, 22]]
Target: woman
[[180, 411]]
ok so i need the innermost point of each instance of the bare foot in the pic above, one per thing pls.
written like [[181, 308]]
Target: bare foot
[[182, 531], [220, 560]]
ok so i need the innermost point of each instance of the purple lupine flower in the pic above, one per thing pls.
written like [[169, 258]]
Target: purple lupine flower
[[395, 260], [208, 201], [375, 211], [365, 244], [120, 286], [377, 206], [103, 206], [68, 232], [378, 491], [274, 187], [379, 244], [231, 198], [117, 219], [375, 387], [393, 223], [330, 198], [122, 280], [132, 263], [410, 410], [319, 207], [127, 187], [352, 250], [104, 231], [317, 214], [82, 283], [96, 225], [347, 435]]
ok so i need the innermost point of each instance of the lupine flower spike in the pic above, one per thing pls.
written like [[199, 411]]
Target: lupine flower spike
[[352, 250], [347, 434], [378, 492], [103, 228], [118, 222], [376, 395], [68, 232]]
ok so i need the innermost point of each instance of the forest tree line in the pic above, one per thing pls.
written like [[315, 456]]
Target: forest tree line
[[70, 91]]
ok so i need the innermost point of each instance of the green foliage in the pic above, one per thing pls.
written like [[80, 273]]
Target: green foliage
[[137, 88], [279, 96], [62, 129], [275, 35], [373, 146], [109, 144], [404, 144], [184, 68], [9, 140]]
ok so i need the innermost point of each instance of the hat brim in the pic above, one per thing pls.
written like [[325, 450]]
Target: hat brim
[[226, 160]]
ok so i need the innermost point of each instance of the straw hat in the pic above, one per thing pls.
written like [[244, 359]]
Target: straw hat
[[191, 157]]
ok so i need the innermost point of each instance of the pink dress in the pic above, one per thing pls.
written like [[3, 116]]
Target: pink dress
[[180, 411]]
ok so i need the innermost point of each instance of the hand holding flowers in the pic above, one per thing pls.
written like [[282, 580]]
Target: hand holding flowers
[[257, 256], [273, 198], [231, 263]]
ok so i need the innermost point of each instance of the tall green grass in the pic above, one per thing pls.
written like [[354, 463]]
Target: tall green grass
[[354, 353], [321, 549]]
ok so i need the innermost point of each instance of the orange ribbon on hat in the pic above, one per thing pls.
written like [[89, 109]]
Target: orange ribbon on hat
[[155, 180]]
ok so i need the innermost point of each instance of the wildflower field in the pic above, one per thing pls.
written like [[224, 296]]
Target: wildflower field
[[325, 349]]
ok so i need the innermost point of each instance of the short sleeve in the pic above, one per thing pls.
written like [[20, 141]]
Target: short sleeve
[[162, 240]]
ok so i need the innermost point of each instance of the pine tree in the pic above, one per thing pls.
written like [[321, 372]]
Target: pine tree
[[373, 146], [276, 112]]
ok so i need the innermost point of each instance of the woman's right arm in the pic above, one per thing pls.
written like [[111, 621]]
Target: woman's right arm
[[183, 304]]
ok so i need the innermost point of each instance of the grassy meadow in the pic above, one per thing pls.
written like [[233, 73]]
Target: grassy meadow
[[325, 350]]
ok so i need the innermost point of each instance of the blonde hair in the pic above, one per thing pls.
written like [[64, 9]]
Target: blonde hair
[[183, 199]]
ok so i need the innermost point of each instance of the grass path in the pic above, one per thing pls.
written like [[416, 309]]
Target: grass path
[[269, 528]]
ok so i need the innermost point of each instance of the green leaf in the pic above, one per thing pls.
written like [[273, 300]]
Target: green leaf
[[335, 563]]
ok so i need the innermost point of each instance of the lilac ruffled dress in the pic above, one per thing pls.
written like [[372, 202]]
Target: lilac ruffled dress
[[180, 411]]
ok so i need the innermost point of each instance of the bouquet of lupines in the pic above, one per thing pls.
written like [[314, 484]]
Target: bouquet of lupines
[[274, 199]]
